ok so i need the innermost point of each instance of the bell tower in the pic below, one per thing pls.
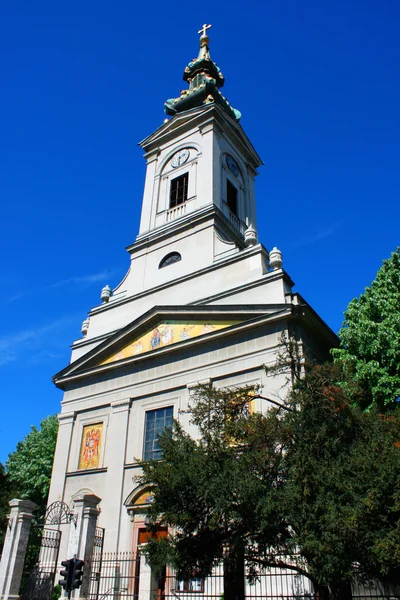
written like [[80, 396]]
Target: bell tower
[[197, 240], [200, 163], [202, 301]]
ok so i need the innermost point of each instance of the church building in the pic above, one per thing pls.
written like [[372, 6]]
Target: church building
[[202, 301]]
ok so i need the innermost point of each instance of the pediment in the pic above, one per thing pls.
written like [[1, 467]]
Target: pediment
[[166, 333], [178, 120], [191, 117], [164, 329]]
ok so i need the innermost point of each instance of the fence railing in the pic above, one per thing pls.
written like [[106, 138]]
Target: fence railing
[[367, 591], [117, 577], [40, 564], [114, 575], [274, 584]]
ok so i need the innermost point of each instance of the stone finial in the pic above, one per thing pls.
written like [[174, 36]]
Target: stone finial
[[250, 237], [275, 258], [106, 293], [85, 326]]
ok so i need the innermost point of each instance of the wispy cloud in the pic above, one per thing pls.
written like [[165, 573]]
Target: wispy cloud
[[32, 340], [43, 357], [317, 235], [19, 295], [84, 280]]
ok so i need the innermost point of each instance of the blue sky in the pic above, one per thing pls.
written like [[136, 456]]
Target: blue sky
[[81, 83]]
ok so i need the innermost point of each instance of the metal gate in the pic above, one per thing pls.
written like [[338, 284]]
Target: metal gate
[[41, 558], [41, 564], [96, 564]]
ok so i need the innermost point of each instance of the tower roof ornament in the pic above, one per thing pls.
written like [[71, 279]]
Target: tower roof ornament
[[205, 79], [203, 30], [204, 52]]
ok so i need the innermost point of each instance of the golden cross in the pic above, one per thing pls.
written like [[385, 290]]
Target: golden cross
[[203, 30]]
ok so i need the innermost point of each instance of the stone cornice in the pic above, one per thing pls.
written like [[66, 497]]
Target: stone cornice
[[66, 418], [79, 371], [121, 405], [243, 254], [86, 472], [197, 118]]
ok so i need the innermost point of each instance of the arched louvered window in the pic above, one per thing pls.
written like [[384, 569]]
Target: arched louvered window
[[171, 258]]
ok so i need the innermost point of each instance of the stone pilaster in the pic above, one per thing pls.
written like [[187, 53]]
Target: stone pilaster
[[81, 539], [147, 583], [14, 549], [61, 457], [114, 458]]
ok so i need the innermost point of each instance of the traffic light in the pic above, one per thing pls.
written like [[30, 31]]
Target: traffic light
[[67, 574], [77, 573]]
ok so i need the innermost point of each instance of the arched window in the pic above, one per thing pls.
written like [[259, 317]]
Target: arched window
[[171, 258]]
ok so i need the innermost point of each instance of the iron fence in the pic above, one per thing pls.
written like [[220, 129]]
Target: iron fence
[[377, 590], [116, 576], [273, 584], [41, 565]]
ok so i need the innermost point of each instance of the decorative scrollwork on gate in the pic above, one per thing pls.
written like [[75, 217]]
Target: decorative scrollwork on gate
[[58, 513], [50, 539], [99, 537]]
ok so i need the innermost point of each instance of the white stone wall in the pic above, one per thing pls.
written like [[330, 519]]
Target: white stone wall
[[229, 276], [120, 400], [216, 270]]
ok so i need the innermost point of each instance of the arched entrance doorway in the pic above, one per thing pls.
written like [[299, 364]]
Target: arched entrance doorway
[[137, 504]]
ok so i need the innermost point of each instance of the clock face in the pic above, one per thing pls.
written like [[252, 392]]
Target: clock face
[[179, 158], [232, 166]]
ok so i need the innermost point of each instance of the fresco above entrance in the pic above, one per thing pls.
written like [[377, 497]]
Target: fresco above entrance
[[167, 333]]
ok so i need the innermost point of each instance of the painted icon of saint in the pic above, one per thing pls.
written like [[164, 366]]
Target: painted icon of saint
[[207, 327], [184, 333], [155, 339], [91, 448], [167, 334], [138, 347]]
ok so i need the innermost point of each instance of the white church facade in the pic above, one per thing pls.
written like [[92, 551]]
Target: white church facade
[[203, 301]]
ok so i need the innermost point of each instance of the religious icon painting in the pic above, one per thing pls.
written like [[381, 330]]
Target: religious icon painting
[[89, 457], [167, 333]]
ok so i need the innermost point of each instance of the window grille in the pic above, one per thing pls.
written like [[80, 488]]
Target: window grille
[[179, 190], [231, 197], [171, 258], [156, 422]]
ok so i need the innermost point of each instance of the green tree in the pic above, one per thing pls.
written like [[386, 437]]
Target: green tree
[[27, 475], [29, 466], [342, 491], [315, 480], [218, 488], [370, 337], [5, 495]]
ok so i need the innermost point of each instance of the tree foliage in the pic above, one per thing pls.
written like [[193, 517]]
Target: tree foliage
[[370, 337], [213, 489], [315, 480], [27, 472], [342, 489], [29, 466], [5, 495]]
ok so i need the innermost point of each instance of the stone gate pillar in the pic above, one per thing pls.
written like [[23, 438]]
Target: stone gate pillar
[[15, 543], [147, 581], [81, 540]]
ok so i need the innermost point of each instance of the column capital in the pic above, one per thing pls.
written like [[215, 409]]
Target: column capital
[[152, 155], [26, 506], [90, 511], [87, 501], [121, 405], [66, 418]]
